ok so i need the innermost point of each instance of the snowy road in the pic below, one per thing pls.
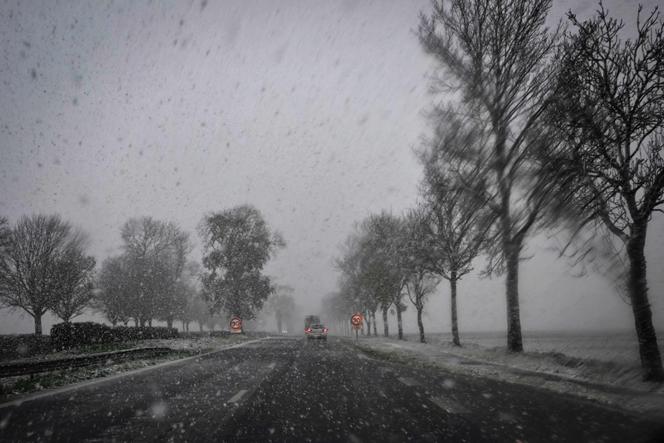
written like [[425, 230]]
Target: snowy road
[[291, 390]]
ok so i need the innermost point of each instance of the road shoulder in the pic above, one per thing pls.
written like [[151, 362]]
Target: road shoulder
[[643, 402]]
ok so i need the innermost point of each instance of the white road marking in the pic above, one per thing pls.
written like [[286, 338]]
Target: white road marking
[[236, 398], [97, 381], [408, 381], [449, 406]]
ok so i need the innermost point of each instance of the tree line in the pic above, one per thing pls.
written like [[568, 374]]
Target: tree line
[[45, 267], [539, 130]]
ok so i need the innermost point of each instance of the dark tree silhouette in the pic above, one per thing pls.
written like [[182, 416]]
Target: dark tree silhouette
[[416, 253], [75, 276], [114, 298], [237, 244], [496, 54], [610, 110], [31, 269]]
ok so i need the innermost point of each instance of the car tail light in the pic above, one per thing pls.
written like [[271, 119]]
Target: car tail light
[[307, 330], [324, 330]]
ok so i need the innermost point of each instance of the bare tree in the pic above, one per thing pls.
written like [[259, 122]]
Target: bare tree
[[610, 108], [456, 219], [336, 308], [187, 290], [114, 298], [75, 277], [356, 286], [383, 264], [371, 273], [29, 269], [416, 244], [155, 254], [496, 54], [5, 235]]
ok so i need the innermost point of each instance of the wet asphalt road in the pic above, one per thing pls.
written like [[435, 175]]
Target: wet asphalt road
[[287, 389]]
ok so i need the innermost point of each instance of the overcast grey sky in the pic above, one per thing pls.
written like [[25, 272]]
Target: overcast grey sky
[[308, 110]]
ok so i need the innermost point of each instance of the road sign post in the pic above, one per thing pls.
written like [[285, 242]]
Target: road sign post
[[236, 325], [356, 321]]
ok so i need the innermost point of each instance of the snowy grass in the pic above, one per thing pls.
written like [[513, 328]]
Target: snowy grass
[[14, 387], [611, 346]]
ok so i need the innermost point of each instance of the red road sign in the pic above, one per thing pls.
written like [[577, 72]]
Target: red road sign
[[236, 325], [356, 321]]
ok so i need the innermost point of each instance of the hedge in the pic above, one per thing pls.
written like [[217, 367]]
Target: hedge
[[69, 335], [21, 346]]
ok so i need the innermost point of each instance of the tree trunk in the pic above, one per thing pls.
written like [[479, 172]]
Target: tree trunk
[[373, 318], [200, 327], [453, 308], [399, 322], [150, 323], [367, 318], [169, 322], [514, 340], [637, 284], [419, 322], [386, 327], [38, 323]]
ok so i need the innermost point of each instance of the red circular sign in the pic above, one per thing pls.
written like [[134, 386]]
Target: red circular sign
[[356, 319], [236, 323]]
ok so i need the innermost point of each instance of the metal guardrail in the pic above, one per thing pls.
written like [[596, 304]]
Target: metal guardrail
[[35, 367]]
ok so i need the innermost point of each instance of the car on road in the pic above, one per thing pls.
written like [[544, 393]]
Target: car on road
[[316, 331]]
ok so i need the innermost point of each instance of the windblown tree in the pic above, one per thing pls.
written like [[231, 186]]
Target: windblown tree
[[36, 252], [496, 54], [456, 219], [610, 108], [75, 277], [416, 244], [355, 288], [237, 244], [386, 263], [382, 264], [371, 269]]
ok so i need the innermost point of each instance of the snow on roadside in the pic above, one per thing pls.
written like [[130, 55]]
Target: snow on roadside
[[613, 383]]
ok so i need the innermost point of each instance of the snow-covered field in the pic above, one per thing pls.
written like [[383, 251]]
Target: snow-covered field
[[610, 346]]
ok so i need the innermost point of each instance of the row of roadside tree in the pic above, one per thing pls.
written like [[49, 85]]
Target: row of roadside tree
[[534, 130], [45, 267]]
